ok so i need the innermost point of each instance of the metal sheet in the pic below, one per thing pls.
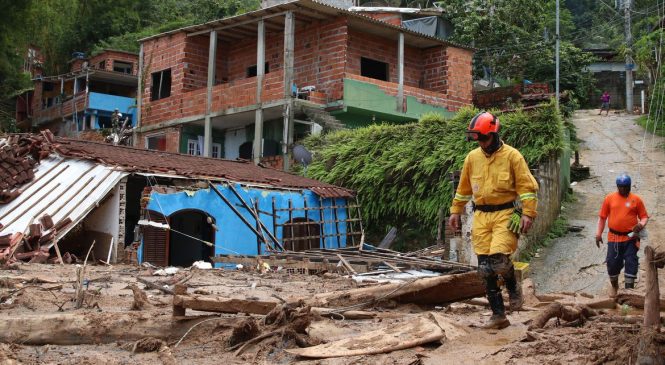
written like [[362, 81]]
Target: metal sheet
[[61, 188]]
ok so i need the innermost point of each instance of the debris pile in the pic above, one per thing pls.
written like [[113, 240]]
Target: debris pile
[[34, 245], [18, 155]]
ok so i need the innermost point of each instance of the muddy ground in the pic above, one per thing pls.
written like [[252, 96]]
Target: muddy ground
[[609, 145], [572, 263]]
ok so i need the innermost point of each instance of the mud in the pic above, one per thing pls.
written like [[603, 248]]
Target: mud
[[609, 145]]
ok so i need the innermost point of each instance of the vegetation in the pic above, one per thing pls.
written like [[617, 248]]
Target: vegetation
[[401, 172]]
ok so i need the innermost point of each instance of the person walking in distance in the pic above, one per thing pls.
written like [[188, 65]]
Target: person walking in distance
[[626, 216], [605, 103], [495, 175]]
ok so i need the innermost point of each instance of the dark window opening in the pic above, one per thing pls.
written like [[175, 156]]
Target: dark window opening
[[251, 70], [301, 234], [157, 143], [48, 86], [101, 65], [123, 67], [374, 69], [161, 85]]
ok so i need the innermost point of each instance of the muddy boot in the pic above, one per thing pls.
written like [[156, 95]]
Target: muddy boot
[[498, 319], [630, 283], [514, 291], [614, 280]]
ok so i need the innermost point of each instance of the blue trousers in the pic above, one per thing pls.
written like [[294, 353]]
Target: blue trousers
[[620, 254]]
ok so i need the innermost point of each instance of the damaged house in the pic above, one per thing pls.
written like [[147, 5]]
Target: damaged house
[[251, 85], [59, 195]]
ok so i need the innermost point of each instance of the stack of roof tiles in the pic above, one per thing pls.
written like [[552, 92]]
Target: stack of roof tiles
[[18, 155]]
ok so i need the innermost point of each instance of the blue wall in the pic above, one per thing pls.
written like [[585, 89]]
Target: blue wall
[[233, 236], [105, 104]]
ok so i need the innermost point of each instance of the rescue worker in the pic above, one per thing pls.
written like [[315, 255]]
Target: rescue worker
[[115, 120], [627, 216], [495, 175]]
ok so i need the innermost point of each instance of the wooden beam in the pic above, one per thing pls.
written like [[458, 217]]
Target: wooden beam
[[236, 24], [223, 305]]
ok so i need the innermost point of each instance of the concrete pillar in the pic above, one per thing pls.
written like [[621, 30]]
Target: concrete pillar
[[289, 41], [212, 55], [260, 72]]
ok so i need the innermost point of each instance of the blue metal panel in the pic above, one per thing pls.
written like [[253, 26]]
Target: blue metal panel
[[108, 103], [233, 236]]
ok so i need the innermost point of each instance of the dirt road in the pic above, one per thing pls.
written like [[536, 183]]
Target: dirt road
[[610, 145]]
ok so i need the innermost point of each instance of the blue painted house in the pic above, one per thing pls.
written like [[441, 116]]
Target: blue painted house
[[175, 209], [85, 97]]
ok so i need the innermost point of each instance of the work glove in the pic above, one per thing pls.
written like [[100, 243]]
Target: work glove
[[514, 222], [599, 241], [638, 227]]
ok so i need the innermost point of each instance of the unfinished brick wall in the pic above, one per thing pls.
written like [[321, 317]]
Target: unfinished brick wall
[[172, 139], [458, 73], [434, 69], [109, 56], [390, 18], [384, 50]]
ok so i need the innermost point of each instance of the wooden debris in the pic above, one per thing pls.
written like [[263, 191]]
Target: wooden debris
[[648, 350], [344, 314], [89, 328], [397, 336], [152, 285], [140, 299], [558, 310], [221, 305], [432, 290]]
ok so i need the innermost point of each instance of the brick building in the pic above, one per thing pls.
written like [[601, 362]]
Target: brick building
[[228, 87], [85, 97]]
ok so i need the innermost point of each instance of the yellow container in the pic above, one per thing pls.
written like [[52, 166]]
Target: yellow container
[[521, 270]]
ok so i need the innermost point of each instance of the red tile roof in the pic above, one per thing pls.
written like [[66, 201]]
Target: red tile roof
[[140, 160]]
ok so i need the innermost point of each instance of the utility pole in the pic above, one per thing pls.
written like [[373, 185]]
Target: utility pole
[[558, 40], [629, 58]]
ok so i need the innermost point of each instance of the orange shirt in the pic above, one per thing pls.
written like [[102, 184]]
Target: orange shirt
[[622, 214]]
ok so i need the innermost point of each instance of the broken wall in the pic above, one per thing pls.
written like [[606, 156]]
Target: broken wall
[[233, 236]]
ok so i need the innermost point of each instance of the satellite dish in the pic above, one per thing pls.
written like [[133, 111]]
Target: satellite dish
[[302, 155]]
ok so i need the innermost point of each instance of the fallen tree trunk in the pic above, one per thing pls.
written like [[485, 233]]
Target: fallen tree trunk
[[91, 328], [635, 299], [433, 290], [558, 310], [222, 305]]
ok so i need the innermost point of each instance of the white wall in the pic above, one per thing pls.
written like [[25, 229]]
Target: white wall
[[105, 219]]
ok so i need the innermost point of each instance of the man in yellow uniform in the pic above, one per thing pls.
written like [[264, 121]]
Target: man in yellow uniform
[[495, 175]]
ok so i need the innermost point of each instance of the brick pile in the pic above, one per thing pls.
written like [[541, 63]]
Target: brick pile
[[34, 246]]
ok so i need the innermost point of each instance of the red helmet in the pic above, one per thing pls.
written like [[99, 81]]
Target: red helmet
[[482, 126]]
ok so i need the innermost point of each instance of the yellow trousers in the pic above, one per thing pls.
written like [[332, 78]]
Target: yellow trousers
[[490, 234]]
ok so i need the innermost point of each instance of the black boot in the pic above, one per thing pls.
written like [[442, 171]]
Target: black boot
[[498, 319], [514, 290], [630, 283], [614, 281]]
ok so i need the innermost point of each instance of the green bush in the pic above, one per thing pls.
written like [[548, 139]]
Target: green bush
[[401, 172]]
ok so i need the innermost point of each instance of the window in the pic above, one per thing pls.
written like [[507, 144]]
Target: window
[[101, 65], [161, 85], [123, 67], [251, 70], [374, 69], [157, 143], [48, 86], [193, 147], [216, 150]]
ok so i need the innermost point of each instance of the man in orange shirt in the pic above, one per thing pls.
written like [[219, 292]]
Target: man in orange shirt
[[626, 216]]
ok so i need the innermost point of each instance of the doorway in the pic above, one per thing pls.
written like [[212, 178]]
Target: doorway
[[189, 228], [301, 234]]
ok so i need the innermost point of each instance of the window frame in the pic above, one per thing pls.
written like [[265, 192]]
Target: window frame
[[158, 90], [127, 69], [156, 135]]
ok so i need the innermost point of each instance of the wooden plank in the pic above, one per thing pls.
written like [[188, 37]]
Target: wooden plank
[[346, 265], [223, 305], [392, 266]]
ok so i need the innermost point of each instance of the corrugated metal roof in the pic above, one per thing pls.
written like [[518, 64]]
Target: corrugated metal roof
[[62, 188]]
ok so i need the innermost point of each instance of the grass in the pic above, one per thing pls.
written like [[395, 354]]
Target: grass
[[648, 124]]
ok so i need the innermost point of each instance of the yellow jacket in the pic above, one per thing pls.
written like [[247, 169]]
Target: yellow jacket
[[500, 178]]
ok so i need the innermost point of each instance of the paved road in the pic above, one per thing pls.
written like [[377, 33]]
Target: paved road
[[610, 145]]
